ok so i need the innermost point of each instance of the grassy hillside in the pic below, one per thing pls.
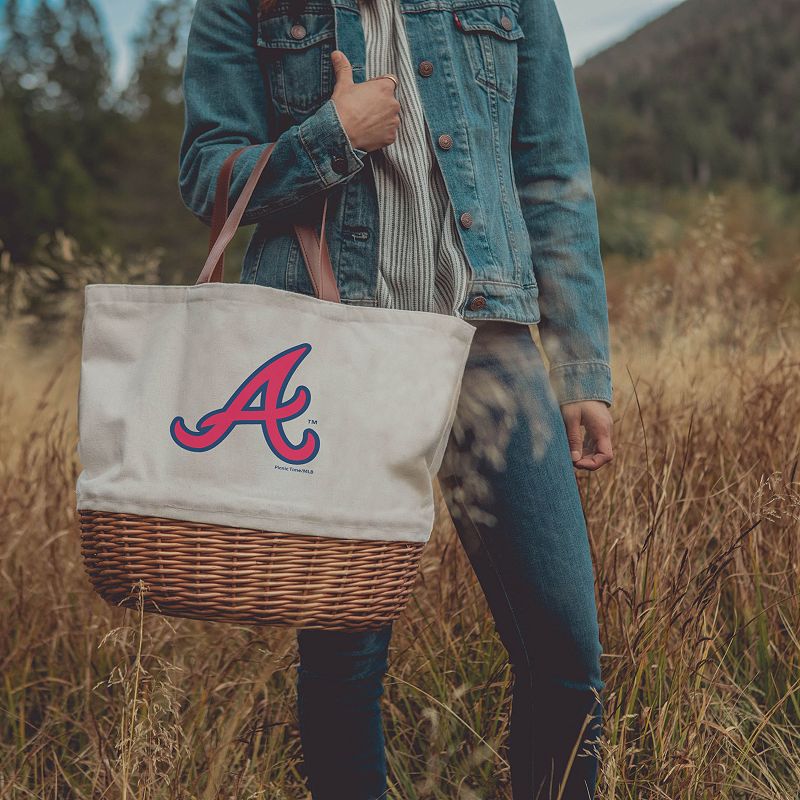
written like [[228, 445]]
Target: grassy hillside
[[708, 92], [694, 531]]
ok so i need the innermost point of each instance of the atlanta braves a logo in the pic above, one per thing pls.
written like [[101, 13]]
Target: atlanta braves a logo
[[260, 401]]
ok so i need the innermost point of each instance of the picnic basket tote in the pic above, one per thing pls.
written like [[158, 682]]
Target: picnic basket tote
[[256, 455], [244, 575]]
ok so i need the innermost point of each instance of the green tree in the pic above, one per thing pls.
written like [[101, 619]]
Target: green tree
[[57, 124], [146, 208]]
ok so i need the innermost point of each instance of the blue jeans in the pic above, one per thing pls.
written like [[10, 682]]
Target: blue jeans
[[508, 458]]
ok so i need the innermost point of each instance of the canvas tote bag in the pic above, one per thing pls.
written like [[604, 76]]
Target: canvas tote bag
[[256, 455]]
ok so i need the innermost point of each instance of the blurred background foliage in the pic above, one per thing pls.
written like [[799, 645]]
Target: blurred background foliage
[[78, 155]]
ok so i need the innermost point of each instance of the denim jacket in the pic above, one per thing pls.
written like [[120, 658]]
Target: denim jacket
[[493, 74]]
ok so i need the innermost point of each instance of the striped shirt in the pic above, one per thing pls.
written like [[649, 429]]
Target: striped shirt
[[422, 266]]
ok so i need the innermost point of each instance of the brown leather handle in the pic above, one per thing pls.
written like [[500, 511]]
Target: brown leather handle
[[223, 227], [220, 211]]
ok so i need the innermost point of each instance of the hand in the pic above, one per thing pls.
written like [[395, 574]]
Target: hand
[[593, 450], [369, 111]]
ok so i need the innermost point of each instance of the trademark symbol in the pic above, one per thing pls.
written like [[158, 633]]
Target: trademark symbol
[[312, 422]]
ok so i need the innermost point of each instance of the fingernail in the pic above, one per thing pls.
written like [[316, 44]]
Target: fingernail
[[575, 455]]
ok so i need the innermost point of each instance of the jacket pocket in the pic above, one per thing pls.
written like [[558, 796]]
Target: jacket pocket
[[297, 54], [491, 33]]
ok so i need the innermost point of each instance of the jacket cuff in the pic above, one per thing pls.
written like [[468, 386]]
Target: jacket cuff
[[582, 380], [328, 146]]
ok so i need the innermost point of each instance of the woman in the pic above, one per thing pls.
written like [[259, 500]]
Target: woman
[[448, 139]]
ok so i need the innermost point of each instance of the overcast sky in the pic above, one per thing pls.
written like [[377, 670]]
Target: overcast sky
[[590, 25]]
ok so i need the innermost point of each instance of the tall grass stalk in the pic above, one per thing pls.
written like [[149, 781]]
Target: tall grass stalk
[[695, 538]]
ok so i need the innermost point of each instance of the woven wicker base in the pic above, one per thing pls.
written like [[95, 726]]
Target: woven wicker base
[[243, 575]]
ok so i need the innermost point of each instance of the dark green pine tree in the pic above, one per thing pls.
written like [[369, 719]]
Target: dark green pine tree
[[147, 208], [60, 123], [23, 202]]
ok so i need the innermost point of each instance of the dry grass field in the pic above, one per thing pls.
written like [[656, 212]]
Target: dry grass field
[[695, 532]]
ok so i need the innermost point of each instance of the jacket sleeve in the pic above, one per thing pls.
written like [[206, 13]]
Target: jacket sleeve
[[224, 93], [551, 167]]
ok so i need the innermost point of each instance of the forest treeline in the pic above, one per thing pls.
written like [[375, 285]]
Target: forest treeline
[[707, 93], [77, 153]]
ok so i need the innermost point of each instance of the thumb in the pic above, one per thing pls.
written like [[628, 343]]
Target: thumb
[[342, 68], [572, 422]]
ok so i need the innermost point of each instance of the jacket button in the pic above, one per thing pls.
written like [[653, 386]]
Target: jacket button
[[339, 164], [506, 23], [466, 220], [297, 32], [445, 141], [425, 68], [478, 303]]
